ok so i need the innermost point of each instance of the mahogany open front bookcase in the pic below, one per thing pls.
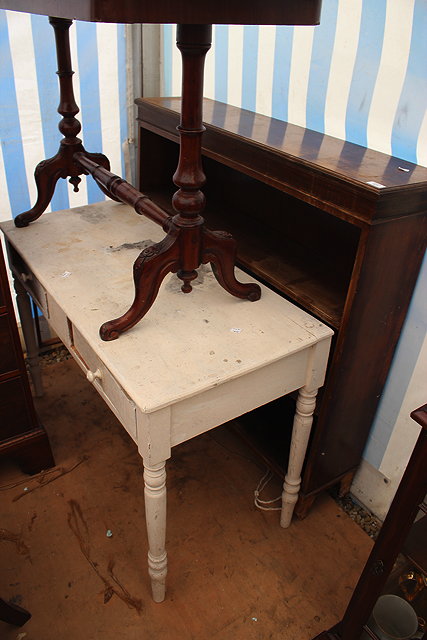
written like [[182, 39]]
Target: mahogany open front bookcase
[[337, 228]]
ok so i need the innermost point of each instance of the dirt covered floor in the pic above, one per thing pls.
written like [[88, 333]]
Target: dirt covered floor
[[73, 545]]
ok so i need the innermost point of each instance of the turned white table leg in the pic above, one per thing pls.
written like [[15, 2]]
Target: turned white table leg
[[155, 512], [303, 420]]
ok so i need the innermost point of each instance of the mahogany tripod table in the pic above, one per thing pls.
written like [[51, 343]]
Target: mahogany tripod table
[[188, 242]]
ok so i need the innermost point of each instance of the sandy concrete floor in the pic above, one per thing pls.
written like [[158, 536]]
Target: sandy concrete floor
[[233, 572]]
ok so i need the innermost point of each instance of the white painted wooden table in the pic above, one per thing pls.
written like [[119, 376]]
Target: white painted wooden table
[[194, 362]]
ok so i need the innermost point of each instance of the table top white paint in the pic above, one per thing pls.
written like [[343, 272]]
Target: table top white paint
[[187, 343]]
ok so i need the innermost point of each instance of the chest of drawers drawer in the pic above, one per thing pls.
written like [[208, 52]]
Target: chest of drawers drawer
[[22, 438], [8, 355], [16, 415]]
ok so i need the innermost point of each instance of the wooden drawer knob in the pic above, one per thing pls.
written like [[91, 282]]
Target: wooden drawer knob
[[94, 375]]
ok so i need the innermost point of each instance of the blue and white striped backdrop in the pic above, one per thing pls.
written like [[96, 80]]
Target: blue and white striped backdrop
[[360, 76], [29, 98]]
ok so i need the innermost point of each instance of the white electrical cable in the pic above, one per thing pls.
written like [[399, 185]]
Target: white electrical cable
[[261, 486]]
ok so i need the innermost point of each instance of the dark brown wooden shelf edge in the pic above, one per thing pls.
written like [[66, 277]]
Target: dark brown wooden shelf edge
[[332, 188]]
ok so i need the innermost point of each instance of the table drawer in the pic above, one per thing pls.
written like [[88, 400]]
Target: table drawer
[[38, 293], [24, 274], [104, 382], [59, 322]]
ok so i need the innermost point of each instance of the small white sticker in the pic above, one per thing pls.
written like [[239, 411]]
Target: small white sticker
[[235, 330], [66, 274], [376, 184]]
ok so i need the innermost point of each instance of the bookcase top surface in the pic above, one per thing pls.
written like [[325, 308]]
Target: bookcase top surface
[[355, 183], [372, 169]]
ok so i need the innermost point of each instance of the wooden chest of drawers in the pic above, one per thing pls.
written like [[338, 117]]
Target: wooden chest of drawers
[[21, 435]]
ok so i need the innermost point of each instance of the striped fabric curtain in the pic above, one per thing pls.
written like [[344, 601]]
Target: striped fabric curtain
[[360, 76], [29, 98]]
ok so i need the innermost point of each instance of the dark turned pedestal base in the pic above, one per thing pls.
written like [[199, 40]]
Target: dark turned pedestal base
[[188, 243], [63, 164]]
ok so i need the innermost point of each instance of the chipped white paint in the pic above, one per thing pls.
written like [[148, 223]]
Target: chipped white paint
[[180, 371]]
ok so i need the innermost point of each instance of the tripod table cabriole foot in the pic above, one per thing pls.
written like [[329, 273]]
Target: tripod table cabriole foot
[[63, 164], [182, 251], [155, 262], [303, 421], [220, 249]]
